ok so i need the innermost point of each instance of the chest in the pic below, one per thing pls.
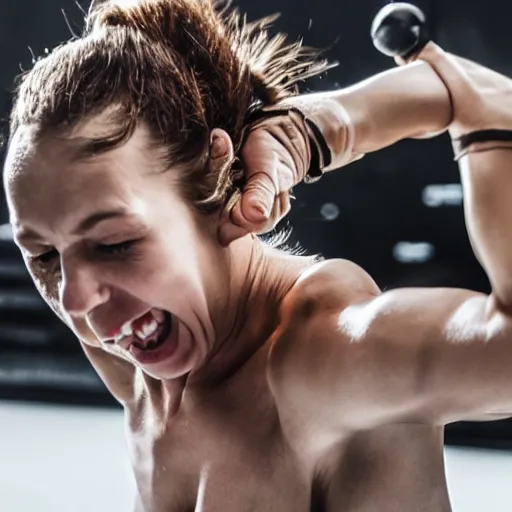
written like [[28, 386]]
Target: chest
[[224, 453], [232, 453]]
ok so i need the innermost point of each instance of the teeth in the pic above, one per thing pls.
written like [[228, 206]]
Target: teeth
[[127, 330], [151, 327], [147, 329]]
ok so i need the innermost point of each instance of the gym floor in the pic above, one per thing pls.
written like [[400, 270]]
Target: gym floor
[[61, 459]]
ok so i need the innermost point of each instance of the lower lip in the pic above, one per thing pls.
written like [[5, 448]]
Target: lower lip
[[165, 351]]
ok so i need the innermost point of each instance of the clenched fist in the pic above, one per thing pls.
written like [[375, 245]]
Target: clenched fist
[[276, 155]]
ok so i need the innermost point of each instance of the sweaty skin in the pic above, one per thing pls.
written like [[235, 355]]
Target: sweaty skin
[[299, 386]]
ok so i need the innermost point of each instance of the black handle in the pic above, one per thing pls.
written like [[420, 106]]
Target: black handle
[[400, 30]]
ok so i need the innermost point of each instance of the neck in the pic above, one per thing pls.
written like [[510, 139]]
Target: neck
[[244, 323]]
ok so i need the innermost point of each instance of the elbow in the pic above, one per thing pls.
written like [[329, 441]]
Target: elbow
[[500, 302]]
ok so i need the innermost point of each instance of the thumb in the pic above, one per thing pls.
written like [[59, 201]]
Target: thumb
[[242, 215], [257, 200], [247, 211]]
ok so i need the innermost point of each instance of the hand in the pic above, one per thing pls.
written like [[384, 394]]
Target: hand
[[275, 156], [481, 98]]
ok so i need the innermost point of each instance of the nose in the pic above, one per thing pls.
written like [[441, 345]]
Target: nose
[[81, 288]]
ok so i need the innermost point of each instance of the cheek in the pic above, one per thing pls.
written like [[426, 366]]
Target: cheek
[[169, 271], [183, 248], [170, 265], [47, 284]]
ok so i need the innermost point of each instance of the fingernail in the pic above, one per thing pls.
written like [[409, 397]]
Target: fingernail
[[262, 210]]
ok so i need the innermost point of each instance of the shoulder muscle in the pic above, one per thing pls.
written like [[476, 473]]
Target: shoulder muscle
[[308, 318], [327, 286]]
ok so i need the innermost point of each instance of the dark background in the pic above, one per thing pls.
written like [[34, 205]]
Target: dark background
[[397, 213]]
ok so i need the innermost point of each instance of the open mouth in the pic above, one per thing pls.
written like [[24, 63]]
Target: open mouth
[[148, 331], [151, 330], [151, 338]]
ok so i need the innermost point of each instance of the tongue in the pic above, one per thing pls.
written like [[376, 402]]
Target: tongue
[[146, 344]]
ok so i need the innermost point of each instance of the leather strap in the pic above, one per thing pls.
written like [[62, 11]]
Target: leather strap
[[320, 155]]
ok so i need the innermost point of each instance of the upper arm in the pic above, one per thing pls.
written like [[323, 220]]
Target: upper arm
[[407, 355]]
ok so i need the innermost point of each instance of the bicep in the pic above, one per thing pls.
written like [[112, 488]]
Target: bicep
[[410, 355], [435, 355]]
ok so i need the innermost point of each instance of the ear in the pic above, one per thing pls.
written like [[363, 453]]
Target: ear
[[221, 153]]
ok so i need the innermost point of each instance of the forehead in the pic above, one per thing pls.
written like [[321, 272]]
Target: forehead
[[46, 181], [27, 144]]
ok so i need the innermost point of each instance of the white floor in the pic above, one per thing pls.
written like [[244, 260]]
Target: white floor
[[64, 459]]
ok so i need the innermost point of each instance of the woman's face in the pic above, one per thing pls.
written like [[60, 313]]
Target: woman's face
[[114, 250]]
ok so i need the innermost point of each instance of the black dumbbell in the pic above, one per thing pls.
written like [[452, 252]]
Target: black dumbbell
[[400, 30]]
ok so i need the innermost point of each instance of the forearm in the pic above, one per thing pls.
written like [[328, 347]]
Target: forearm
[[401, 103], [487, 183]]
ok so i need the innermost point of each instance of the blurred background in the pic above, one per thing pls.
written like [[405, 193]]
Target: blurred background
[[397, 213]]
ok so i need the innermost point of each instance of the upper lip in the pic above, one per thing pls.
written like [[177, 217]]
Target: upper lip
[[112, 333]]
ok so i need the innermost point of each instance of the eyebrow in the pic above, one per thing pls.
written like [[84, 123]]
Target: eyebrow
[[83, 226], [92, 220]]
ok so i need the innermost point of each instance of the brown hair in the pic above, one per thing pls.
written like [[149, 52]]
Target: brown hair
[[182, 67]]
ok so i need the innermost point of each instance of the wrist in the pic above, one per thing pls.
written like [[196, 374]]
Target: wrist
[[331, 128]]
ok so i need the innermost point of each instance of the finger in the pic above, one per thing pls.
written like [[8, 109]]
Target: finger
[[260, 158], [284, 200], [232, 223], [255, 205], [228, 231], [280, 209]]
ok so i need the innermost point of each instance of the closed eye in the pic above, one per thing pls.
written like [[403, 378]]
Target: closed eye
[[113, 249], [121, 248], [46, 257]]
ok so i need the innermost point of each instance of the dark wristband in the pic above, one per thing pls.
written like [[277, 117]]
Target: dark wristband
[[321, 156], [464, 144]]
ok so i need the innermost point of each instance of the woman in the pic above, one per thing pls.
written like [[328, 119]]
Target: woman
[[252, 379]]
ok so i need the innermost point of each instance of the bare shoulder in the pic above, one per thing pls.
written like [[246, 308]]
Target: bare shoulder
[[350, 356], [308, 335], [310, 309], [329, 285]]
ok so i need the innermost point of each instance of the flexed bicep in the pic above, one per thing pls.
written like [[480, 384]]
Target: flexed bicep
[[434, 355], [410, 355]]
